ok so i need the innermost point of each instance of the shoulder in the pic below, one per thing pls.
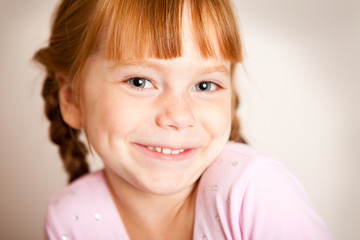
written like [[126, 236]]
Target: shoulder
[[243, 172], [76, 200], [86, 187], [238, 167], [240, 162], [83, 208], [250, 195], [249, 175]]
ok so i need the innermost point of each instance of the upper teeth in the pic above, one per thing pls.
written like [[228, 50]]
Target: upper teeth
[[167, 150]]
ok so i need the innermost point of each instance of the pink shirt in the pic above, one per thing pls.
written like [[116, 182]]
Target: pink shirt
[[242, 195]]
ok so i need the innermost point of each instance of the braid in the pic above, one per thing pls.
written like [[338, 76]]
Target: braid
[[66, 38], [235, 134], [72, 150]]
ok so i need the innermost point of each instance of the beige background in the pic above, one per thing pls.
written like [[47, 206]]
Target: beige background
[[301, 97]]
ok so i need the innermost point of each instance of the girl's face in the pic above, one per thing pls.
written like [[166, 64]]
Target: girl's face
[[157, 124]]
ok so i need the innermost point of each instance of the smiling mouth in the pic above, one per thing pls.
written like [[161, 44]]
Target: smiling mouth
[[167, 151]]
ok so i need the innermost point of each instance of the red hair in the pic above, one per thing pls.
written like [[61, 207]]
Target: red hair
[[128, 29]]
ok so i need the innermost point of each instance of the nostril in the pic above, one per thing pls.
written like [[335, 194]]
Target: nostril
[[176, 120]]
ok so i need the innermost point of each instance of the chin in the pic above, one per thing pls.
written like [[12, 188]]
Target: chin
[[166, 186]]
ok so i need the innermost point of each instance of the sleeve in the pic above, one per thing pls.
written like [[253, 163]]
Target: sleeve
[[276, 207]]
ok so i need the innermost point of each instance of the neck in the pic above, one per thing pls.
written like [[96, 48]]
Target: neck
[[157, 215]]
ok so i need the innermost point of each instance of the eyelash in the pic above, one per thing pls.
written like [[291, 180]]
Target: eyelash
[[213, 86], [146, 82]]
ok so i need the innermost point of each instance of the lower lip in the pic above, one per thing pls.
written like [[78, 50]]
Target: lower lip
[[166, 157]]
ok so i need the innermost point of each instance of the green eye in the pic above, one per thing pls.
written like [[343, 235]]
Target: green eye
[[205, 87], [140, 82]]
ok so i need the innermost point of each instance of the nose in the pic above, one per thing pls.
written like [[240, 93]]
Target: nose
[[175, 112]]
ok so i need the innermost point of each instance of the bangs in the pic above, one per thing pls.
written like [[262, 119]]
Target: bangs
[[153, 28]]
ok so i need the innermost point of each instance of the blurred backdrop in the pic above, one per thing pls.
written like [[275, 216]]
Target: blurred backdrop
[[300, 103]]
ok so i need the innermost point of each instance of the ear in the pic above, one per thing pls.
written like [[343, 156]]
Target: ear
[[70, 111]]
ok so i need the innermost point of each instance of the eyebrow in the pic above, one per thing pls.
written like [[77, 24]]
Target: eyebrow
[[217, 68], [133, 63]]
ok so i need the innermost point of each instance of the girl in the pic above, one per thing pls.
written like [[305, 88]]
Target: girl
[[150, 84]]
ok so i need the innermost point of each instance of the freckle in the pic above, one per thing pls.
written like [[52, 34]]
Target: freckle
[[216, 188], [234, 163]]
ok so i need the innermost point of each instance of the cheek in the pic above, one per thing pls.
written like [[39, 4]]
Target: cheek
[[111, 114], [216, 118]]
